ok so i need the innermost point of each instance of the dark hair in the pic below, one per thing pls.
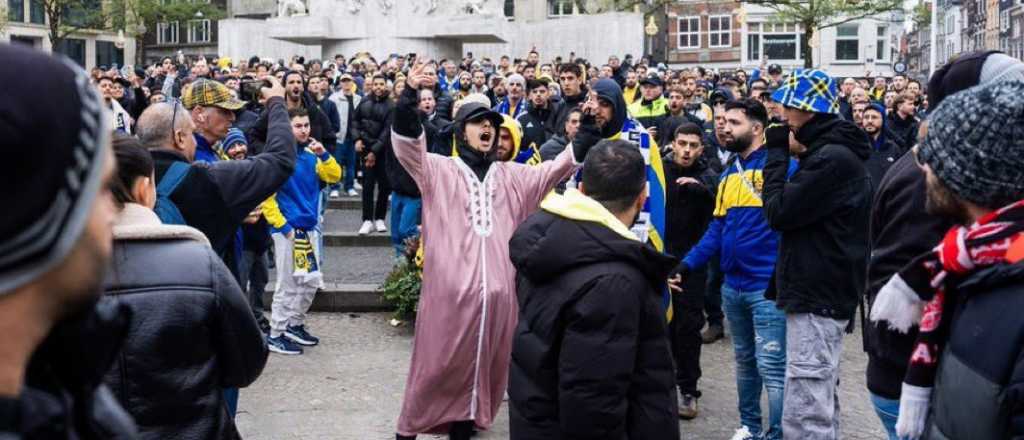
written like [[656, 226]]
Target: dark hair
[[293, 72], [572, 68], [297, 112], [688, 128], [104, 78], [380, 76], [614, 174], [536, 83], [133, 161], [759, 80], [753, 108]]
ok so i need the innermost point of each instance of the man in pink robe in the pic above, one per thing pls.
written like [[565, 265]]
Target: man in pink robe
[[468, 311]]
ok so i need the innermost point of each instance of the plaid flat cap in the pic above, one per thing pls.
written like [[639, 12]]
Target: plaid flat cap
[[809, 90], [206, 92]]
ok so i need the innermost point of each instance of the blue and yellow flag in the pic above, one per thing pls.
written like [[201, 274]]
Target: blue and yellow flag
[[650, 225]]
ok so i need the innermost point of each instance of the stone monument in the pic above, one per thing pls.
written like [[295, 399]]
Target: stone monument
[[430, 28]]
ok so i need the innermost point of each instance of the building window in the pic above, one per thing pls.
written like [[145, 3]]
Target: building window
[[510, 8], [107, 54], [950, 23], [560, 8], [689, 33], [720, 31], [1004, 21], [880, 49], [199, 31], [36, 13], [774, 41], [847, 44], [73, 48], [167, 33], [16, 10]]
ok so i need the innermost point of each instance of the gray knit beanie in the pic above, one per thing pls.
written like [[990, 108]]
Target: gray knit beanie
[[975, 143], [56, 140], [1001, 67]]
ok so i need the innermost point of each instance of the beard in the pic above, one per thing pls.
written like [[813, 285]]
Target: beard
[[940, 201], [739, 144], [871, 131]]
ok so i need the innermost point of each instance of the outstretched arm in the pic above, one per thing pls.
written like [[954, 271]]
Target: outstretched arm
[[407, 140]]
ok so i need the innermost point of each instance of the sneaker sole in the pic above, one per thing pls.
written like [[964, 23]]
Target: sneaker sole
[[299, 340], [277, 350]]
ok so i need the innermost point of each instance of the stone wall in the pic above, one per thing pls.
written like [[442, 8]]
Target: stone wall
[[242, 38], [593, 37]]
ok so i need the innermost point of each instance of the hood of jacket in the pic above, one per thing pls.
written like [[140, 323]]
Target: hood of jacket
[[823, 129], [515, 130], [573, 230], [878, 144], [608, 90]]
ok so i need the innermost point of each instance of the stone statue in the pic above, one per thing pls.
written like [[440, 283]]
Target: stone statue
[[429, 6], [291, 8], [354, 6], [476, 7], [385, 6]]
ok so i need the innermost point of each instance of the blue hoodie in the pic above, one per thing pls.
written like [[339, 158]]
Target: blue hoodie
[[296, 203]]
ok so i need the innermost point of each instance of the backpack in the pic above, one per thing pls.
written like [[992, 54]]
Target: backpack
[[165, 208]]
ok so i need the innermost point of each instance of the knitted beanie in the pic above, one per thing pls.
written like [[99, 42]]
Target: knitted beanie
[[234, 136], [56, 139], [975, 143], [1000, 67]]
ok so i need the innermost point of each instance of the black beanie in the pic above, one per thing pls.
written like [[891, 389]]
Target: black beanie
[[55, 135], [958, 74]]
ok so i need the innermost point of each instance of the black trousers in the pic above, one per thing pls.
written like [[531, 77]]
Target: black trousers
[[713, 293], [684, 332], [255, 276], [375, 177]]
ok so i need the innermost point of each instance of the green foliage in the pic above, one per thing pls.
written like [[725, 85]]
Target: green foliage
[[922, 14], [402, 290], [402, 286]]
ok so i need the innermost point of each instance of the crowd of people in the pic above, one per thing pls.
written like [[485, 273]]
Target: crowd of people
[[585, 228]]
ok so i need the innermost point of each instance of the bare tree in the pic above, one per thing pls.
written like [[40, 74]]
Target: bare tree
[[815, 15]]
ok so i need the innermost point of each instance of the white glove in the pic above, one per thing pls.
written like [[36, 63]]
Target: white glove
[[913, 411]]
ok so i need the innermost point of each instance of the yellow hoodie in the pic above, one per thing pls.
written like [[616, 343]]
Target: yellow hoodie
[[577, 206], [516, 131]]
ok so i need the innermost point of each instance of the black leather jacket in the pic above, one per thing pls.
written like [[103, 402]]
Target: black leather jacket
[[192, 335]]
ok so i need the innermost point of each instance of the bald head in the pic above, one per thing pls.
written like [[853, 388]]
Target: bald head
[[156, 132]]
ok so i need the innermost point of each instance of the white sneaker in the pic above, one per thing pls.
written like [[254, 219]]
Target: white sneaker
[[353, 193], [334, 194], [742, 434], [366, 228], [356, 185], [381, 227]]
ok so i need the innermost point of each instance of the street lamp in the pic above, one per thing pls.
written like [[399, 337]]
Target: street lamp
[[199, 15]]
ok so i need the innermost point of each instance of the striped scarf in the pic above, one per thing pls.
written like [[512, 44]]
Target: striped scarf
[[964, 250]]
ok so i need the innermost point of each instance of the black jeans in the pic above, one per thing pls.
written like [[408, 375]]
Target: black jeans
[[684, 332], [255, 276], [378, 176], [713, 293]]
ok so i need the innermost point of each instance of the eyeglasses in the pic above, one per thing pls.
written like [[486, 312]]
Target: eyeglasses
[[174, 112]]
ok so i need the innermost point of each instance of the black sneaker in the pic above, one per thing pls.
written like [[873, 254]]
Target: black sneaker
[[687, 407], [712, 334], [299, 335], [282, 345]]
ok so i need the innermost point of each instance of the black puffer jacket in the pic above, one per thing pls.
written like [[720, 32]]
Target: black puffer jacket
[[590, 358], [63, 397], [193, 333], [901, 230], [979, 387], [822, 214], [538, 125], [904, 130], [369, 124]]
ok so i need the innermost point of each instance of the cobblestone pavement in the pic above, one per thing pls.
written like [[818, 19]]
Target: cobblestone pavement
[[350, 387]]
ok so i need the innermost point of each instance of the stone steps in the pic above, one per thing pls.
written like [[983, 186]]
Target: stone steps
[[343, 298]]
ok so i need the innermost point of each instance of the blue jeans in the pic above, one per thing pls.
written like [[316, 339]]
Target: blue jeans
[[231, 400], [759, 341], [405, 217], [888, 411], [345, 154]]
